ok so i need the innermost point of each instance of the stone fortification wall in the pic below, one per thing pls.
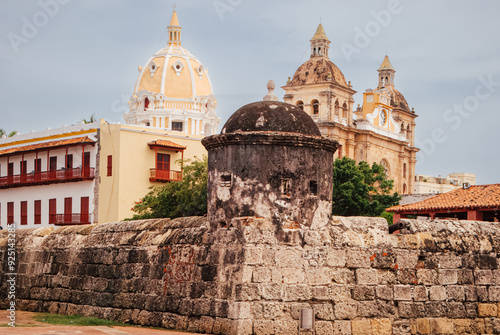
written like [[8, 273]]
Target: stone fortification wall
[[437, 277]]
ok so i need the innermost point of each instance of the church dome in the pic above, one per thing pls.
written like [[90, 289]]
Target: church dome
[[271, 116], [397, 99], [318, 70], [176, 73], [174, 91]]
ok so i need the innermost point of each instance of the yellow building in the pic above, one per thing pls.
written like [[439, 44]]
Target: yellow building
[[173, 91], [381, 131]]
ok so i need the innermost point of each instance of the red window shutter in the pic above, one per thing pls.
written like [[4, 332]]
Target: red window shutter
[[24, 212], [110, 165], [84, 210], [68, 210], [38, 211], [52, 210], [10, 212]]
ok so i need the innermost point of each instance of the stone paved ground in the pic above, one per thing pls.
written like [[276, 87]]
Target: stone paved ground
[[28, 326]]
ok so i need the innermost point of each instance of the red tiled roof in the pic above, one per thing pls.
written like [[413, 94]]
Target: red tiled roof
[[167, 144], [48, 145], [477, 196]]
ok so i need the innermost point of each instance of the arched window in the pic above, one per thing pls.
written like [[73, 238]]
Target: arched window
[[344, 112], [337, 112], [146, 103], [300, 104], [315, 104], [404, 189], [319, 51]]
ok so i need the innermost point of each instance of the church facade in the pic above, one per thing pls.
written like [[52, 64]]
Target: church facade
[[381, 131]]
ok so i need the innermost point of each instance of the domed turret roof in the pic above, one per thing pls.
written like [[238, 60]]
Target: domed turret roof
[[318, 70], [271, 116], [397, 99]]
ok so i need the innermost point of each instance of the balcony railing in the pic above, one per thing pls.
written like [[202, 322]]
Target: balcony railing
[[69, 219], [164, 175], [47, 177]]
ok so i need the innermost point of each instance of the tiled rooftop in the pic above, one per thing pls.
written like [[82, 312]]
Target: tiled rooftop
[[167, 144], [48, 145], [477, 196]]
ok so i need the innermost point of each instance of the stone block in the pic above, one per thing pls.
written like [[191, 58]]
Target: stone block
[[441, 326], [456, 310], [246, 292], [263, 327], [336, 257], [361, 327], [406, 259], [463, 326], [320, 292], [449, 261], [318, 276], [487, 310], [342, 327], [366, 276], [407, 276], [346, 310], [358, 258], [387, 277], [363, 292], [496, 277], [456, 292], [293, 276], [437, 293], [297, 293], [203, 325], [411, 310], [324, 327], [423, 326], [419, 293], [448, 277], [384, 292], [340, 293], [253, 255], [483, 277], [261, 275], [288, 258], [286, 327], [368, 309], [436, 309], [494, 293], [239, 310], [271, 291], [427, 276], [324, 312], [401, 327], [402, 292], [343, 276], [381, 327]]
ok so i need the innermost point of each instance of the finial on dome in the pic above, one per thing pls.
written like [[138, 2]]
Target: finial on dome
[[386, 64], [174, 30], [270, 95]]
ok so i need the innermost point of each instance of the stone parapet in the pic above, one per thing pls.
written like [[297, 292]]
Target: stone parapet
[[439, 277]]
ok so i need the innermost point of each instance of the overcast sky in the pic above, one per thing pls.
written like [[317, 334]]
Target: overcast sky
[[62, 63]]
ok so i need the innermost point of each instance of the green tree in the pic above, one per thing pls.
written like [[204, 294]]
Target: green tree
[[361, 189], [3, 132], [175, 199]]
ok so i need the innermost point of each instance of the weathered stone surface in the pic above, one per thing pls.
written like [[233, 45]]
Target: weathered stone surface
[[252, 279]]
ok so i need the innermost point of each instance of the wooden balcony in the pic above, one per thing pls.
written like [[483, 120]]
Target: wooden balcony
[[164, 175], [69, 219], [47, 177]]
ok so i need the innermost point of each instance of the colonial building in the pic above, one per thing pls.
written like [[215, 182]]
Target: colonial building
[[381, 131], [174, 91], [89, 173]]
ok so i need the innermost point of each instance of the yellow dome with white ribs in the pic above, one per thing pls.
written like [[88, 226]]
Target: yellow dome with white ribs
[[174, 83]]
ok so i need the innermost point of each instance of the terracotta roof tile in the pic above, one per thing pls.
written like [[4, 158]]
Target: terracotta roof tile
[[477, 196], [48, 145], [167, 144]]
